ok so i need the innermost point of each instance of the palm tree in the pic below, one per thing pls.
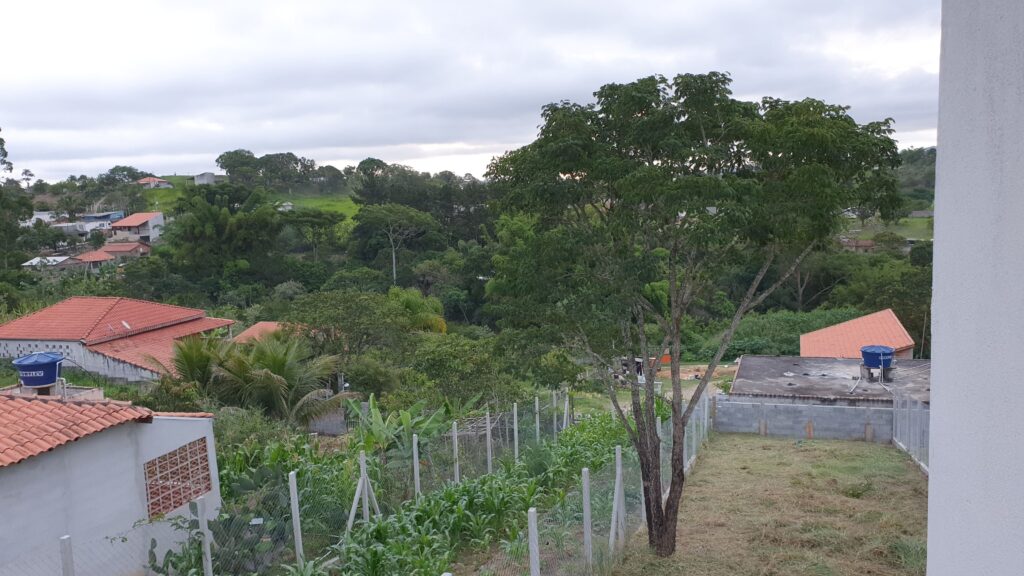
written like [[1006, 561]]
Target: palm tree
[[195, 361], [280, 375]]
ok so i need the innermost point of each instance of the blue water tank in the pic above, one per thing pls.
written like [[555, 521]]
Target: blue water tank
[[877, 356], [39, 370]]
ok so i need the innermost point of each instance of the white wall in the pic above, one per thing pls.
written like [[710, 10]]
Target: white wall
[[80, 356], [94, 490], [976, 505]]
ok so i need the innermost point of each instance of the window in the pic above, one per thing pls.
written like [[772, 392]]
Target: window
[[178, 477]]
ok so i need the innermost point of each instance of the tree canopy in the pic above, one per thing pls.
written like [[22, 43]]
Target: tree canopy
[[624, 211]]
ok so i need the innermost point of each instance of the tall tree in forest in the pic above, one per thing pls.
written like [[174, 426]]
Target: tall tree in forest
[[393, 225], [624, 211]]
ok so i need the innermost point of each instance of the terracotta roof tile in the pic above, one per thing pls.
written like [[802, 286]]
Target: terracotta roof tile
[[94, 319], [137, 219], [845, 340], [257, 331], [142, 349], [94, 256], [118, 247], [32, 426]]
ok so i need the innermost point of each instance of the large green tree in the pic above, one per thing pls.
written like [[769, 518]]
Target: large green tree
[[222, 226], [632, 205], [391, 227]]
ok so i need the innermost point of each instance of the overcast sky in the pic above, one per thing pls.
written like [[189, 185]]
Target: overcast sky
[[167, 86]]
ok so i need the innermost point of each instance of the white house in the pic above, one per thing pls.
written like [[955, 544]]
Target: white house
[[104, 473], [118, 338], [139, 227], [205, 179]]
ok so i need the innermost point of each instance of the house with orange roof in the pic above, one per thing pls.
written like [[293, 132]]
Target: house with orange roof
[[104, 473], [139, 227], [91, 261], [258, 331], [120, 338], [126, 250], [844, 340], [151, 182]]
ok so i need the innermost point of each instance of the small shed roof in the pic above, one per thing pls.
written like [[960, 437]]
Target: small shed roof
[[844, 340], [257, 331]]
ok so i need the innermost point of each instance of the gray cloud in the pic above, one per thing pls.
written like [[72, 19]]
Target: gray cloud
[[168, 86]]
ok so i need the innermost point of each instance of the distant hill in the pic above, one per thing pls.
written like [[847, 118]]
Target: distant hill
[[917, 177]]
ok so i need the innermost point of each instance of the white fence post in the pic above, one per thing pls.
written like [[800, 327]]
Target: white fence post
[[534, 542], [536, 415], [617, 534], [490, 456], [661, 447], [455, 449], [416, 462], [67, 558], [588, 523], [204, 529], [565, 412], [366, 485], [293, 493], [554, 415], [515, 431]]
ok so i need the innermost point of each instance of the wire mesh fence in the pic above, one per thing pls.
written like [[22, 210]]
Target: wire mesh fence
[[277, 518]]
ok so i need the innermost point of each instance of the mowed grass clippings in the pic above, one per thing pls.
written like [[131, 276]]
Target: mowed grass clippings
[[781, 507]]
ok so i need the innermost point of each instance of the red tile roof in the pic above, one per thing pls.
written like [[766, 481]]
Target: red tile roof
[[95, 319], [149, 180], [94, 256], [117, 247], [137, 219], [32, 426], [154, 350], [258, 331], [845, 340], [183, 414]]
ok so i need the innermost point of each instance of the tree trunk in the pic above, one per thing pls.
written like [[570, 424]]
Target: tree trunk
[[394, 264]]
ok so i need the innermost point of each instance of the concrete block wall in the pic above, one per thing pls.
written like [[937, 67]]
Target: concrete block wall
[[808, 421]]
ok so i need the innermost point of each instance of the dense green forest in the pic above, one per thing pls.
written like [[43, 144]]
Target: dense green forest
[[407, 291]]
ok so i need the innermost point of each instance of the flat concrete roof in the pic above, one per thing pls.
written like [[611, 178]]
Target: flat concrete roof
[[831, 378]]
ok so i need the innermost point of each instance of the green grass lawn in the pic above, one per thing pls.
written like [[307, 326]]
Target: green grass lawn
[[342, 204], [598, 403], [773, 506], [164, 198], [912, 228]]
